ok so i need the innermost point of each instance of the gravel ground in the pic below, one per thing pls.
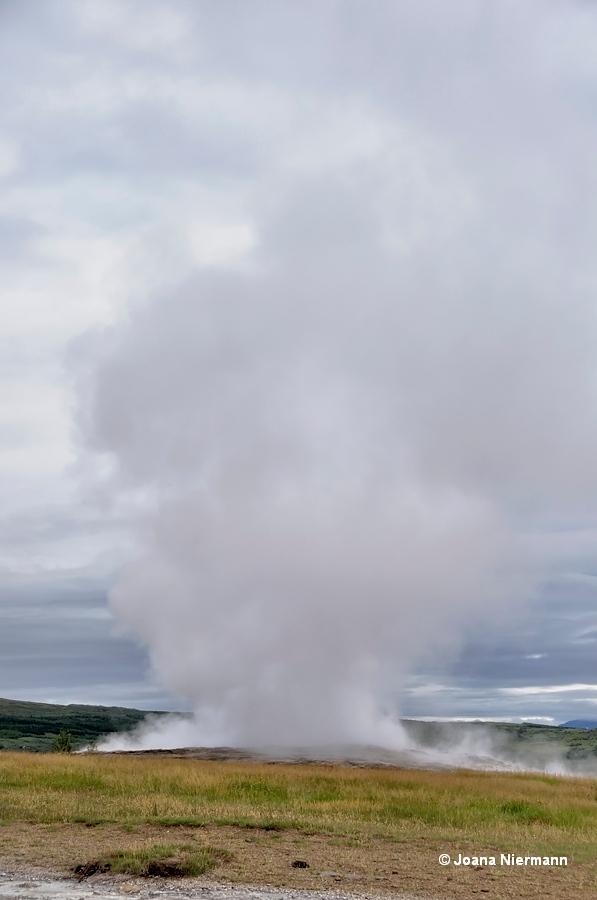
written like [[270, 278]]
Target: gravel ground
[[18, 887]]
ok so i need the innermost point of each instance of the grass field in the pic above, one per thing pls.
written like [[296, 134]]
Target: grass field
[[98, 788], [388, 811]]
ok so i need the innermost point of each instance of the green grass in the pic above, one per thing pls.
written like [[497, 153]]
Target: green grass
[[170, 860]]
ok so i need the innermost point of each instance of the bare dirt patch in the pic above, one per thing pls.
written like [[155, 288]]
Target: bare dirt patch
[[363, 865]]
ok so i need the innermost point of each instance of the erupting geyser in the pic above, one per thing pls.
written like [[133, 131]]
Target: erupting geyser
[[336, 446]]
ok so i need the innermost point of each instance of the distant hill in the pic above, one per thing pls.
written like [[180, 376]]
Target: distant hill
[[33, 726], [580, 723], [537, 746]]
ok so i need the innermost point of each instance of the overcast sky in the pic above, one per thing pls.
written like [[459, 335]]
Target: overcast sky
[[279, 276]]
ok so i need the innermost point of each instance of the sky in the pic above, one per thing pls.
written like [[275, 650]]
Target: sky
[[298, 364]]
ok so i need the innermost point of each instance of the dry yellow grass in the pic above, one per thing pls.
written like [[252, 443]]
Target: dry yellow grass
[[496, 808]]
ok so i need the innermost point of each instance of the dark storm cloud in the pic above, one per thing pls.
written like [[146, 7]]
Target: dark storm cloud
[[553, 640], [58, 642], [57, 634], [526, 664]]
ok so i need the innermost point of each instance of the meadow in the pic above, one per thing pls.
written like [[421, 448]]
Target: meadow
[[343, 816]]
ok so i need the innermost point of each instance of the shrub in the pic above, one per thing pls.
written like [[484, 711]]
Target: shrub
[[62, 743]]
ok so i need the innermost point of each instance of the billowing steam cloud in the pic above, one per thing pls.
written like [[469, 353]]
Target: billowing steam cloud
[[340, 438]]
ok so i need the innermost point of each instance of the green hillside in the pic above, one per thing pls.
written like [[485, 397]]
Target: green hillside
[[34, 726]]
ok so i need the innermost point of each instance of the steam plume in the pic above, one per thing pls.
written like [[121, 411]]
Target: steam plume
[[339, 444]]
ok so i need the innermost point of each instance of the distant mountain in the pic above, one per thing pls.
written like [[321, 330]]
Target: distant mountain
[[580, 723], [33, 726]]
